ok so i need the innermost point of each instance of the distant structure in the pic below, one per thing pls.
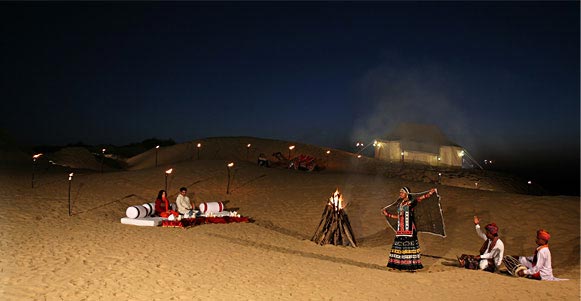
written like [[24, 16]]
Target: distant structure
[[421, 144]]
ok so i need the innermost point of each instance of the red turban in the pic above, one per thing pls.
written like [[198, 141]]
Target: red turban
[[543, 234], [492, 228]]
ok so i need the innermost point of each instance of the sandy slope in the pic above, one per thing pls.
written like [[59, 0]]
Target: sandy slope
[[91, 256]]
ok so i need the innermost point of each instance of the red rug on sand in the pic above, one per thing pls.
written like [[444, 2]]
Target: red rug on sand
[[190, 222]]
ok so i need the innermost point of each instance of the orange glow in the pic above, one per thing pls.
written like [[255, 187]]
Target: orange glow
[[291, 147], [336, 200], [230, 164], [169, 171]]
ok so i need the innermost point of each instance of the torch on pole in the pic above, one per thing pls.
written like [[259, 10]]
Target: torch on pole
[[199, 146], [156, 149], [102, 158], [167, 173], [70, 180], [290, 148], [34, 166], [248, 150], [228, 167]]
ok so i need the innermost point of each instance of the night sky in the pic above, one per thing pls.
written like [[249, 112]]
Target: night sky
[[499, 78]]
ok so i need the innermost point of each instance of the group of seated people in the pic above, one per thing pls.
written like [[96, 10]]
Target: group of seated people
[[185, 206], [491, 254]]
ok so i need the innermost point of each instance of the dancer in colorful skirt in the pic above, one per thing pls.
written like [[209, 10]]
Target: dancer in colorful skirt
[[405, 253]]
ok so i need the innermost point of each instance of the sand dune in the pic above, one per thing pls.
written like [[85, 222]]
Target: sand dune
[[91, 256]]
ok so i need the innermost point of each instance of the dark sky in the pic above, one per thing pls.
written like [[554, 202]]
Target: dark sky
[[499, 78]]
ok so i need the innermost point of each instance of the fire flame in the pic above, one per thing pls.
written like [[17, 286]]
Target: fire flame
[[169, 171], [336, 200]]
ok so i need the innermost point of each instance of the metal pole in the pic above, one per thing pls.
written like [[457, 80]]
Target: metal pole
[[70, 180], [156, 157], [33, 166], [228, 187], [166, 182]]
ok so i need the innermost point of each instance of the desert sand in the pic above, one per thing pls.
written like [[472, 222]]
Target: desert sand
[[90, 255]]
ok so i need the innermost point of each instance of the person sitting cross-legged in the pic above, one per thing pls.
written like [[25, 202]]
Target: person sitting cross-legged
[[491, 252], [185, 205]]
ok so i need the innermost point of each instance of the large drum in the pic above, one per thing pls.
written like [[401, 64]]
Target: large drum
[[513, 266], [211, 207]]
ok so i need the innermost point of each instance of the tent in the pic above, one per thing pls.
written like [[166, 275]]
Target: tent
[[419, 144]]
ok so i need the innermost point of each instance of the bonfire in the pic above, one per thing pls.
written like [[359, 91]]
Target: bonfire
[[334, 227]]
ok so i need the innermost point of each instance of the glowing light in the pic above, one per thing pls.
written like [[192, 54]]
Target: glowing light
[[103, 151], [248, 145], [530, 182], [328, 152], [461, 153], [71, 176], [157, 146], [169, 171], [439, 159], [291, 147], [336, 200], [440, 174], [230, 164], [36, 156], [358, 156], [402, 153], [374, 142], [199, 145]]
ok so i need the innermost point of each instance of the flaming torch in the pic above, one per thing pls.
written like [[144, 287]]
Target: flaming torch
[[102, 158], [230, 165], [34, 166], [248, 150], [290, 148], [156, 150], [199, 146], [70, 180], [167, 173]]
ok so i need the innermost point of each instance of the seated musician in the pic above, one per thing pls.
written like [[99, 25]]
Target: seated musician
[[539, 265], [491, 251]]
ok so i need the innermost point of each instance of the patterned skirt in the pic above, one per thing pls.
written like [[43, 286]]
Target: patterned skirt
[[405, 254]]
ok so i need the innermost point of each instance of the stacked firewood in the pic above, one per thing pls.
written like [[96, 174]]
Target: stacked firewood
[[334, 227]]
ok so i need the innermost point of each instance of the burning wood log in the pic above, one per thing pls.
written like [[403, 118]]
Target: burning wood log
[[334, 227]]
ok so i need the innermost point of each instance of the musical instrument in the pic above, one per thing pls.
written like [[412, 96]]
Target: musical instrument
[[513, 266]]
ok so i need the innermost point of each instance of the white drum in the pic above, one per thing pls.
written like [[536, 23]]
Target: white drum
[[211, 207], [136, 212]]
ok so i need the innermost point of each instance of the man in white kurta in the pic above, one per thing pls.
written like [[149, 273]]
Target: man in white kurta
[[185, 206], [494, 253], [539, 265]]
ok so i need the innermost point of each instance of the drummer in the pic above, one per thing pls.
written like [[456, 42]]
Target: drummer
[[491, 251], [539, 265]]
